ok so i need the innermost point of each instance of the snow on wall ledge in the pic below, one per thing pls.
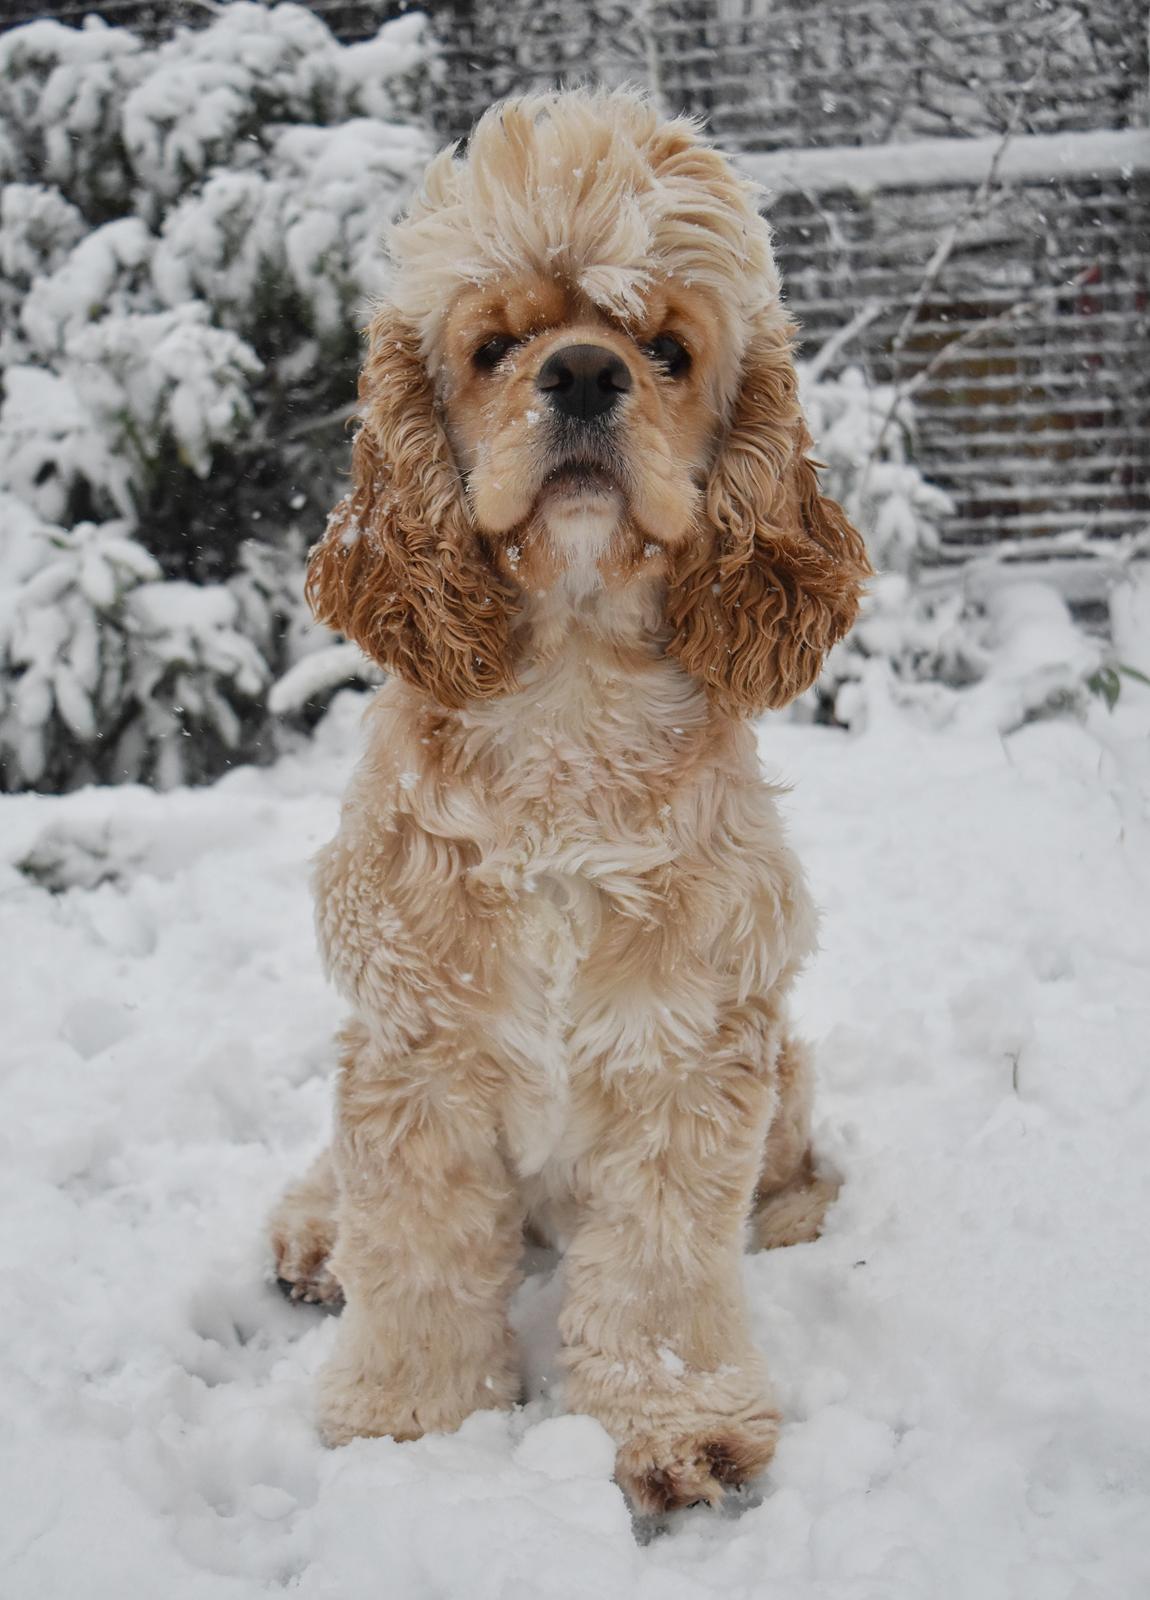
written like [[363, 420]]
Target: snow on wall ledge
[[938, 163]]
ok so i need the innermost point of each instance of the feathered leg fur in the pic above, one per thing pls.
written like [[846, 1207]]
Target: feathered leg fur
[[429, 1236]]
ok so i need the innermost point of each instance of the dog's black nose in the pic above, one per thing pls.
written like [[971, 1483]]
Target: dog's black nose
[[583, 380]]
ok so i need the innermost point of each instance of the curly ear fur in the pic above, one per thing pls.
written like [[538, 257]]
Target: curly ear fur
[[756, 607], [401, 570]]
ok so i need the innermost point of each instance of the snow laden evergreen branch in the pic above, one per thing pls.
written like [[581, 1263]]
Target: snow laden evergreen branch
[[189, 233]]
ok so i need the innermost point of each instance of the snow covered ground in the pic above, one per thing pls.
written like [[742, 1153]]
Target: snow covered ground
[[961, 1359]]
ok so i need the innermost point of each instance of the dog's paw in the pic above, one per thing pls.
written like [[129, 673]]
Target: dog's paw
[[357, 1408], [683, 1434], [662, 1472], [313, 1288], [302, 1240], [357, 1402], [793, 1215]]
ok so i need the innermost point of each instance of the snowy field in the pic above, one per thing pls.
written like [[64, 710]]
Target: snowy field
[[961, 1360]]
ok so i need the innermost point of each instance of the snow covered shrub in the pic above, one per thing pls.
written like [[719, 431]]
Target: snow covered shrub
[[992, 653], [860, 431], [962, 647], [188, 236]]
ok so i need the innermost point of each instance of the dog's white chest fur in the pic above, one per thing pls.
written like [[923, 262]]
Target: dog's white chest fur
[[557, 920], [590, 834]]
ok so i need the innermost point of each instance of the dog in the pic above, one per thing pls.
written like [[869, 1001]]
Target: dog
[[586, 541]]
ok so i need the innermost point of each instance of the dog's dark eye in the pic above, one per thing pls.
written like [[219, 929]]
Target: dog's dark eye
[[670, 355], [492, 351]]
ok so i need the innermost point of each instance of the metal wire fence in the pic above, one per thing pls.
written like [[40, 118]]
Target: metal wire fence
[[770, 74]]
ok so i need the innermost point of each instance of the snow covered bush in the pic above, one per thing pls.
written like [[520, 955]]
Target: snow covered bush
[[977, 645], [188, 235], [980, 644], [861, 431]]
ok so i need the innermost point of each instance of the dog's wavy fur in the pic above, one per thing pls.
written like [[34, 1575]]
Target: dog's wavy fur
[[560, 903]]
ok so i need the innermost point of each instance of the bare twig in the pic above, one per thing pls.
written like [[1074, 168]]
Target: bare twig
[[1012, 313], [329, 420], [979, 203], [904, 391], [829, 351], [651, 60], [842, 260], [977, 207], [1014, 1057], [975, 210]]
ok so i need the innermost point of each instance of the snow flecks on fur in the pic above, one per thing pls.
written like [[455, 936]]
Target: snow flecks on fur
[[552, 182]]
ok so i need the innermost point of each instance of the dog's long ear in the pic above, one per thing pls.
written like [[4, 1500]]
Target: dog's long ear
[[775, 577], [401, 569]]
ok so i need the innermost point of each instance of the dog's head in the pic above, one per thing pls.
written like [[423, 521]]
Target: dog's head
[[583, 374]]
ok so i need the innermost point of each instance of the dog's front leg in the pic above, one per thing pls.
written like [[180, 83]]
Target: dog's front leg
[[428, 1246], [655, 1323]]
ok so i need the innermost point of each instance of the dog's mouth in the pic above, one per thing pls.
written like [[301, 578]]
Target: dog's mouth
[[580, 479], [590, 474]]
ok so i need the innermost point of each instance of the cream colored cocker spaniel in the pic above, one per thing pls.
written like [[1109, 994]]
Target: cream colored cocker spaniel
[[586, 541]]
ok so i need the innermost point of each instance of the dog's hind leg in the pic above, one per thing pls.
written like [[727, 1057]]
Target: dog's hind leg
[[791, 1197], [302, 1228]]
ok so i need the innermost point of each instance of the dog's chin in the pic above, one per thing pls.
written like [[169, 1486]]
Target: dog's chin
[[581, 508], [582, 521]]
